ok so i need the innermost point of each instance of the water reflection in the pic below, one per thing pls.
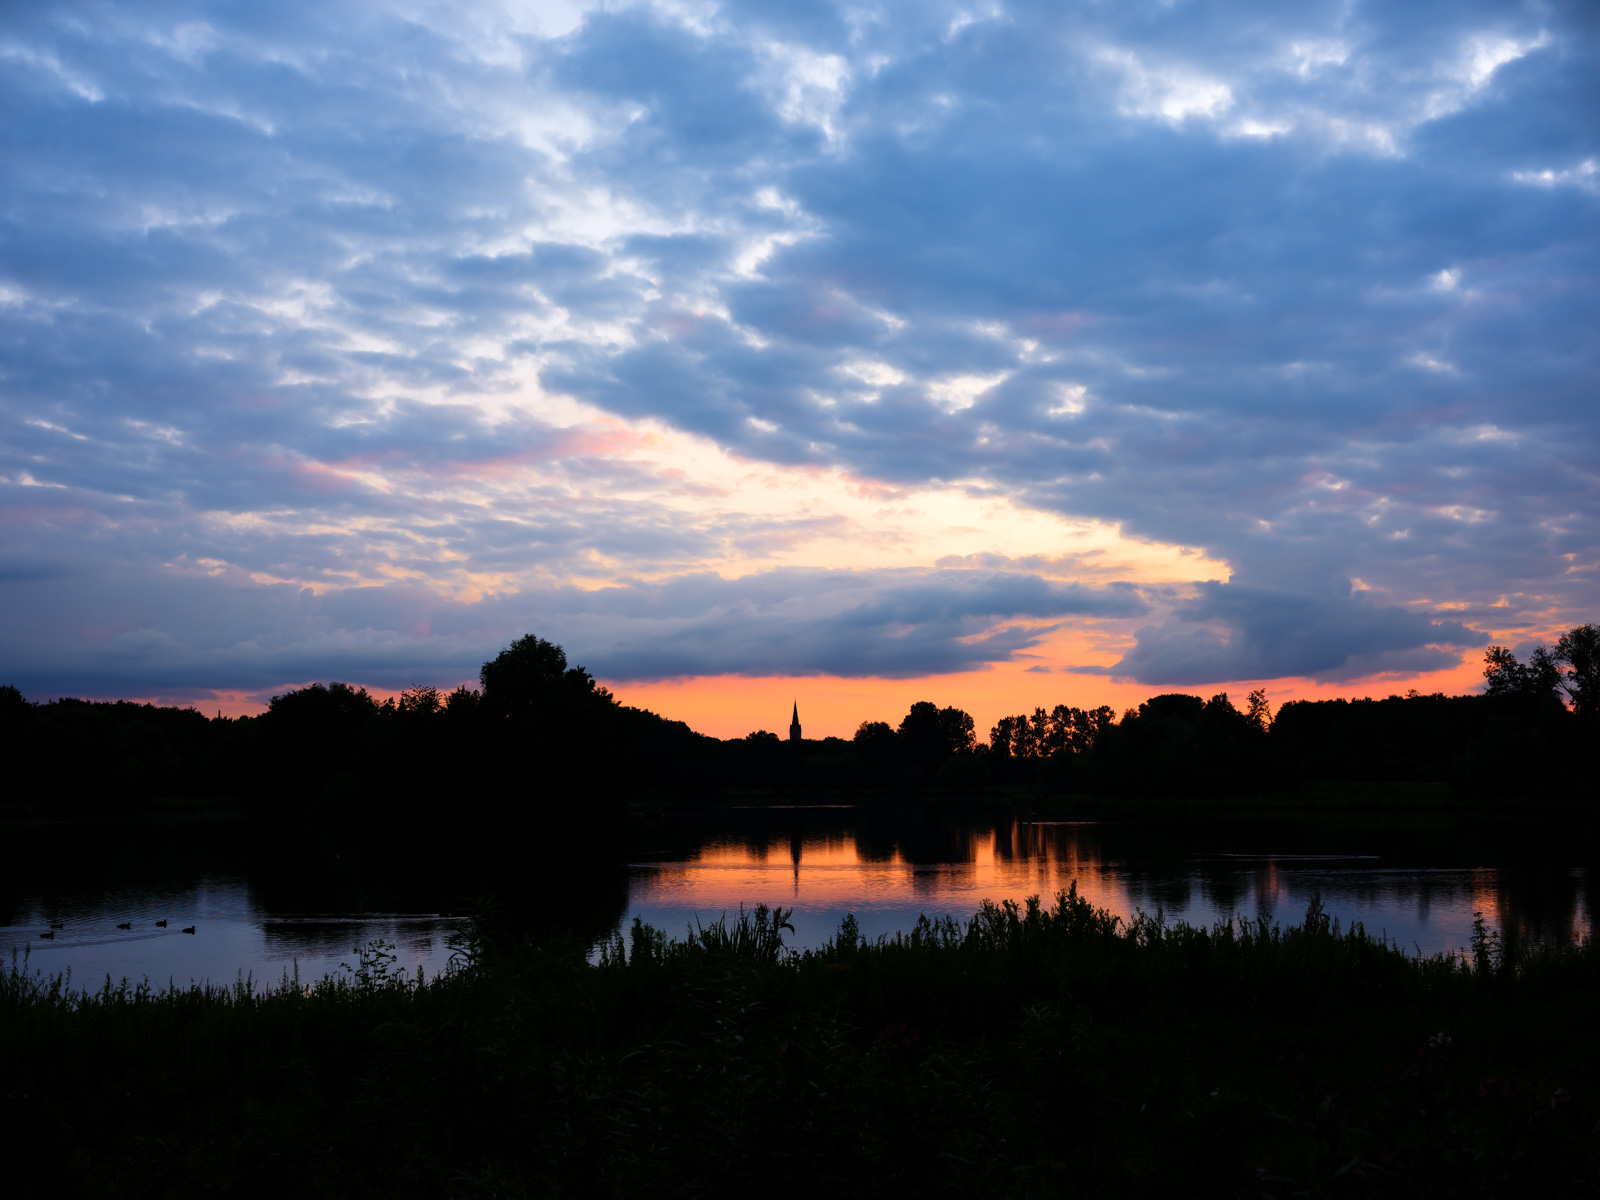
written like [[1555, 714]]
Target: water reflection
[[233, 937], [1420, 888], [264, 900]]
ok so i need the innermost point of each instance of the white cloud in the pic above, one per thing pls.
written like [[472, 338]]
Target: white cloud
[[1585, 176], [953, 393], [1069, 400], [1309, 58], [1169, 92], [1470, 72], [805, 87], [1429, 363]]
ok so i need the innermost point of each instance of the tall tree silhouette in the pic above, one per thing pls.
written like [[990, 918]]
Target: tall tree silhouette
[[1508, 678], [1577, 654], [553, 732], [929, 734]]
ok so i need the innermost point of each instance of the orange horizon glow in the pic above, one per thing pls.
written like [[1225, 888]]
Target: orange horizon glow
[[731, 706]]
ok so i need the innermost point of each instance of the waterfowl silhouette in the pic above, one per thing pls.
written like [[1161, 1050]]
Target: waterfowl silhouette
[[161, 924], [190, 929], [58, 925], [126, 925], [49, 935]]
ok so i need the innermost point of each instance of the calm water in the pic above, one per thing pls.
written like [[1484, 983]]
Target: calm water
[[266, 901], [1419, 886]]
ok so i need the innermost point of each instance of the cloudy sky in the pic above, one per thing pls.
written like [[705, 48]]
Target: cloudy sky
[[995, 354]]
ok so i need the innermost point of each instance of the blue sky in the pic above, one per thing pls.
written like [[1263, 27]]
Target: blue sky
[[1160, 345]]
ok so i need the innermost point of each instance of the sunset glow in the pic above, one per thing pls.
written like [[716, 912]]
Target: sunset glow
[[820, 876], [1002, 358]]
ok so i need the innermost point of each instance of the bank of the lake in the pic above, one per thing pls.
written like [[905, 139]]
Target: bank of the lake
[[1023, 1053], [1332, 798]]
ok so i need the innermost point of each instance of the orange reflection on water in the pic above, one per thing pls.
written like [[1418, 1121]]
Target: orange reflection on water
[[939, 870], [837, 874]]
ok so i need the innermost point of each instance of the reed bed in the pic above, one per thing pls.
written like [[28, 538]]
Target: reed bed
[[1032, 1050]]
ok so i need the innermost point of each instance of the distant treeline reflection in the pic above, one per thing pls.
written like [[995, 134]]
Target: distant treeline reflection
[[539, 736]]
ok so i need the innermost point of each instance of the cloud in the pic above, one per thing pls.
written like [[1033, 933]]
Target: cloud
[[194, 636], [883, 624], [327, 295], [1232, 631]]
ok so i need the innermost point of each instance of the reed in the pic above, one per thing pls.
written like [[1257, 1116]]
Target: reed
[[1041, 1049]]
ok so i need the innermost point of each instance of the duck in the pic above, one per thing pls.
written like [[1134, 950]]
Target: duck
[[162, 924], [126, 925], [48, 935], [58, 924], [190, 929]]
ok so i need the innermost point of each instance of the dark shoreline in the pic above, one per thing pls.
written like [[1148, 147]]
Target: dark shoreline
[[1331, 799], [1021, 1054]]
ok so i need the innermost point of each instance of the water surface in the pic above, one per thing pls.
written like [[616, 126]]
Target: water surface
[[266, 900], [269, 900], [1419, 885]]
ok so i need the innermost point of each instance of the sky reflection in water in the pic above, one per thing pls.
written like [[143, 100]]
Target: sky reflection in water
[[823, 875], [234, 936], [264, 904]]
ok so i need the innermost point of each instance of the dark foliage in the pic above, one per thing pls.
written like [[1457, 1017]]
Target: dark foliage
[[1030, 1052], [1176, 743], [1577, 654], [77, 756], [541, 736], [1519, 740]]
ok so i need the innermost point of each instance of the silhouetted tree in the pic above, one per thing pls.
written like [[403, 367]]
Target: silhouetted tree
[[553, 732], [929, 734], [12, 705], [311, 745], [879, 747], [541, 737], [1507, 678], [81, 756], [1176, 745], [530, 678], [1577, 656], [959, 733], [1260, 712], [1003, 738], [666, 756], [759, 760], [421, 700], [835, 767], [463, 702]]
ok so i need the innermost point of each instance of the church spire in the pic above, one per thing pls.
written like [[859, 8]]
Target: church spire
[[794, 725]]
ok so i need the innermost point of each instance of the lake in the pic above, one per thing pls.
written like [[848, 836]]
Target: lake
[[266, 900], [1419, 884]]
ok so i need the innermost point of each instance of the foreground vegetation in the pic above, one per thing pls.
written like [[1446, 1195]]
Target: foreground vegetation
[[1028, 1052]]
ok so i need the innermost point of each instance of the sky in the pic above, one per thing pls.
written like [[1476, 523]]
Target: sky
[[854, 354]]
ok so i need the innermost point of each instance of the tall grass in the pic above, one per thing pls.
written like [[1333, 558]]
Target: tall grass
[[1030, 1050]]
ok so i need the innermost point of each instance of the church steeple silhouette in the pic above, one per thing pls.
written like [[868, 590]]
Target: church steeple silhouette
[[794, 725]]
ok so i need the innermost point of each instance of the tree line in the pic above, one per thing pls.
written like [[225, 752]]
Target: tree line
[[539, 736]]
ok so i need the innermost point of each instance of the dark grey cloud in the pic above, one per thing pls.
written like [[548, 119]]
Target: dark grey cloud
[[1234, 631], [1312, 289], [895, 624], [201, 635]]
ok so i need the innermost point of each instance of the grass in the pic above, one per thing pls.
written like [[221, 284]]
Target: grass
[[1031, 1051]]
